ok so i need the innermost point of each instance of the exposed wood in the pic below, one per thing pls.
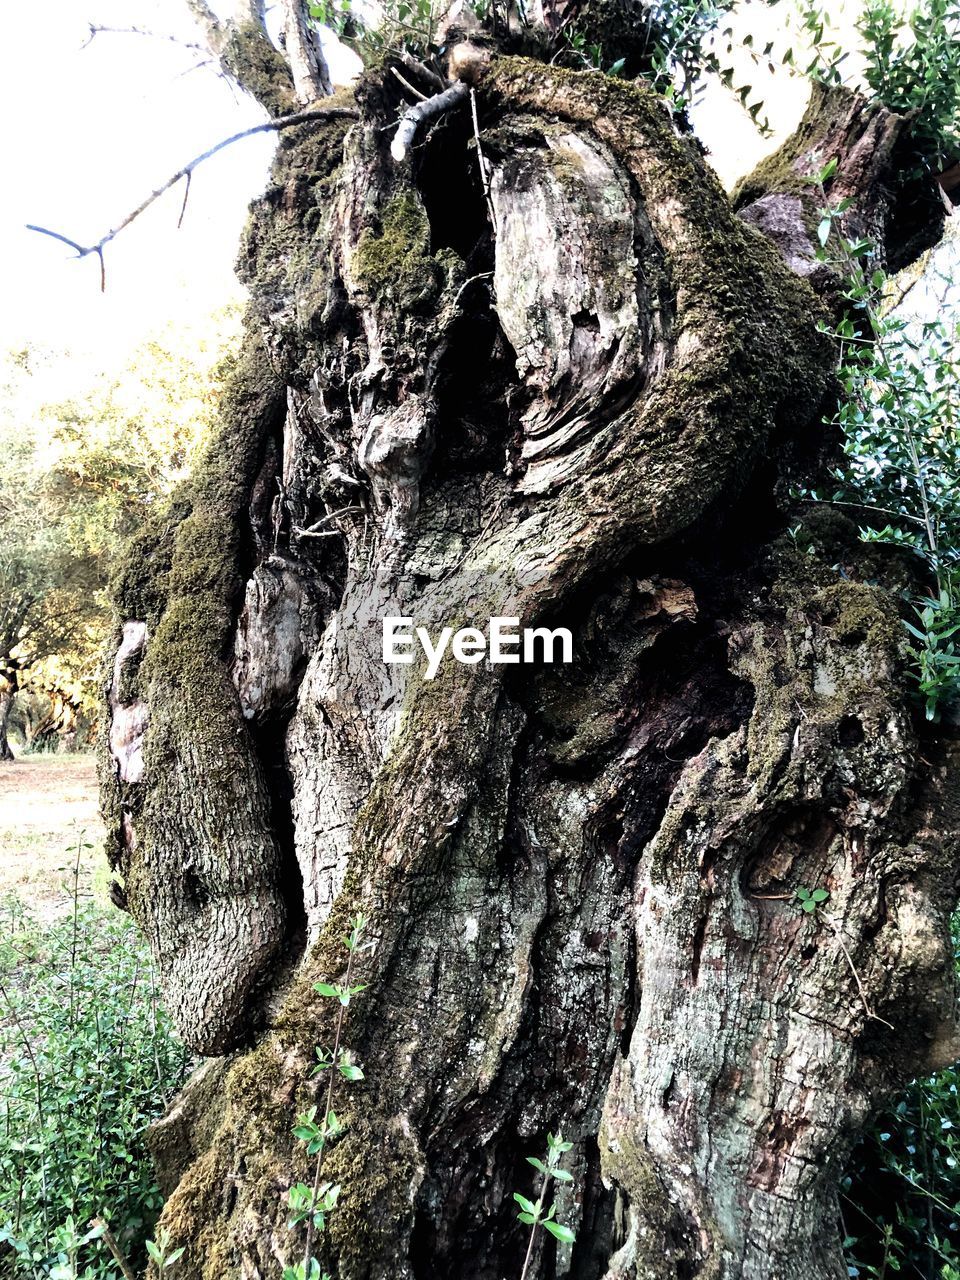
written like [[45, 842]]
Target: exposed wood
[[311, 76]]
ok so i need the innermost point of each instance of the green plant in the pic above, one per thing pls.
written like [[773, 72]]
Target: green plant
[[160, 1253], [534, 1214], [900, 1196], [313, 1204], [913, 66], [811, 899], [409, 25], [88, 1060], [909, 60], [899, 419]]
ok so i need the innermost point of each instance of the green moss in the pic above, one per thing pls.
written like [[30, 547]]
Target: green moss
[[260, 68], [199, 575], [375, 1210], [659, 1229], [784, 170], [396, 263]]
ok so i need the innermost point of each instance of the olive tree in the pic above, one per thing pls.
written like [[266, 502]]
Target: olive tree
[[512, 352]]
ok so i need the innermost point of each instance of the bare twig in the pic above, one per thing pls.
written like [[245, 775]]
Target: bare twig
[[415, 116], [482, 161], [186, 196], [421, 69], [856, 976], [483, 275], [268, 126], [408, 86], [862, 506], [111, 1243], [97, 30], [332, 515]]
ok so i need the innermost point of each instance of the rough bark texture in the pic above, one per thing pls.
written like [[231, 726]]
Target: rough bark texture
[[579, 879]]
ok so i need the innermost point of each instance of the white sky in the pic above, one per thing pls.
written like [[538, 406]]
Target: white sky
[[89, 131]]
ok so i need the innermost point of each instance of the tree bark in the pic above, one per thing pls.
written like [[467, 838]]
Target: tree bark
[[579, 403], [7, 695]]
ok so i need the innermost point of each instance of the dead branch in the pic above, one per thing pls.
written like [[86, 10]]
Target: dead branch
[[420, 69], [421, 97], [482, 161], [96, 29], [415, 116], [111, 1243], [214, 31], [186, 173]]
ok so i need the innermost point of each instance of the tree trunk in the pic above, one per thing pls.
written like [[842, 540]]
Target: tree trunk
[[8, 691], [578, 403]]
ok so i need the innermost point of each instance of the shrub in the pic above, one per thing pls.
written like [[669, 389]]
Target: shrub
[[87, 1060], [900, 1199]]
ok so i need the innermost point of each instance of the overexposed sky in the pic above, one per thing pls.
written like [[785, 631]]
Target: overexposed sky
[[86, 134], [89, 131]]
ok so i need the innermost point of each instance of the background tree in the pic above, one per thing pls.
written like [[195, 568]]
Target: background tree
[[511, 351], [76, 479]]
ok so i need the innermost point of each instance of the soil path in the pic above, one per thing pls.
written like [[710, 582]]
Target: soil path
[[46, 802]]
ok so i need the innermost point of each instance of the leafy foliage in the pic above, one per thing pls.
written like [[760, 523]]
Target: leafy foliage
[[910, 62], [898, 419], [913, 66], [76, 478], [314, 1204], [901, 1194], [87, 1061], [811, 899]]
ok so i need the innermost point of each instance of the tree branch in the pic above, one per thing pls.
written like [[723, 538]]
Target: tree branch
[[97, 30], [415, 116], [311, 76], [282, 122], [209, 24]]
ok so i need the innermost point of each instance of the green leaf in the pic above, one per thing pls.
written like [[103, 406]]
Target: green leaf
[[526, 1205], [537, 1164], [325, 989], [560, 1231]]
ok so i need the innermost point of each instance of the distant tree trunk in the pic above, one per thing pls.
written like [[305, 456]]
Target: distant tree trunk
[[8, 691], [580, 403]]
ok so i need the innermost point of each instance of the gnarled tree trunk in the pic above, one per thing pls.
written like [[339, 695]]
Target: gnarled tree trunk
[[579, 403]]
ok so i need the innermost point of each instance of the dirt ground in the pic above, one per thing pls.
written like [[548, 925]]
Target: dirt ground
[[47, 805]]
